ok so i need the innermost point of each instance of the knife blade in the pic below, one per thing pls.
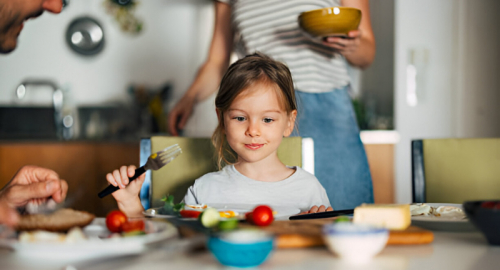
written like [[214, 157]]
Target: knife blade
[[327, 214]]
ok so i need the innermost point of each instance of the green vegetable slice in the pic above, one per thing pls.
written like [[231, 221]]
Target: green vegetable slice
[[209, 218], [133, 233], [228, 224], [342, 219]]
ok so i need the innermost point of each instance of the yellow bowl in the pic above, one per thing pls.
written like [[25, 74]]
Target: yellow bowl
[[330, 21]]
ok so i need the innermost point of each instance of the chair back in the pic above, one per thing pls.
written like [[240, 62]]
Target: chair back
[[455, 170], [198, 158]]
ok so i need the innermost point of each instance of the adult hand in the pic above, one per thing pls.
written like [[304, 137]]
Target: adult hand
[[179, 115], [32, 183], [316, 209], [8, 215], [345, 45]]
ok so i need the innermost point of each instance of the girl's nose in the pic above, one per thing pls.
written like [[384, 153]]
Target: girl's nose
[[253, 129]]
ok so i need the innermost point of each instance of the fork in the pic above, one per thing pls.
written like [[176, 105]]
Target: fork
[[49, 206], [155, 162]]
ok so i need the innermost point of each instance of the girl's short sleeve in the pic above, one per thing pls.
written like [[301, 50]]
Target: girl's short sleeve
[[223, 1]]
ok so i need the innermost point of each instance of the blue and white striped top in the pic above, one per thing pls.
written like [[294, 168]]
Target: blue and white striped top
[[271, 27]]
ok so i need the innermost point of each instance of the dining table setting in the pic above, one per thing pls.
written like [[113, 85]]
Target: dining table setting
[[218, 236]]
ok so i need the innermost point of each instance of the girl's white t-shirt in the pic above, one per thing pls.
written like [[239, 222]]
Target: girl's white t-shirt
[[228, 186]]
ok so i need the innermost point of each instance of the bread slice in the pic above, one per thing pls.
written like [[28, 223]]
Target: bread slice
[[60, 221]]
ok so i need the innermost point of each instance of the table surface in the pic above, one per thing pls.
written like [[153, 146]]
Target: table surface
[[450, 250]]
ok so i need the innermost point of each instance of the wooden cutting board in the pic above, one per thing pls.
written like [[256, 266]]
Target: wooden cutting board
[[307, 233]]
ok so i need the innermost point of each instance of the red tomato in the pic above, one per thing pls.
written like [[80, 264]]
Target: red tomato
[[261, 215], [115, 220], [189, 213], [133, 225]]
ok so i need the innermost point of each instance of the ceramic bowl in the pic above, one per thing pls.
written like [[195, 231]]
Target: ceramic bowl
[[330, 21], [241, 248], [355, 243], [485, 215]]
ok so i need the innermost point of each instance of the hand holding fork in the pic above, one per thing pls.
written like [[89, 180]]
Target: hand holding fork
[[154, 162]]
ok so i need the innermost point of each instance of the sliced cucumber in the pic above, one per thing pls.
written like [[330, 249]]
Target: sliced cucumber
[[228, 224], [342, 219], [209, 218]]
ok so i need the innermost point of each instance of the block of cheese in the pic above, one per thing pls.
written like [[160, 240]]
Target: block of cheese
[[390, 216]]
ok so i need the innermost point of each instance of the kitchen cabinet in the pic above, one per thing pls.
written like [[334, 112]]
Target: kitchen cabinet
[[82, 164]]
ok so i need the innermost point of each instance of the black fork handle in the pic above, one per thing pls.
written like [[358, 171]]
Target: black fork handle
[[110, 189]]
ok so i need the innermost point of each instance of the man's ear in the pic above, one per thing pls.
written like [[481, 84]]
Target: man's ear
[[291, 123]]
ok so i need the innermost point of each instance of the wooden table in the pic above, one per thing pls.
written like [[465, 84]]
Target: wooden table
[[448, 251]]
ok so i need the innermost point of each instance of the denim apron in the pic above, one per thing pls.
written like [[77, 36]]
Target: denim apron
[[340, 161]]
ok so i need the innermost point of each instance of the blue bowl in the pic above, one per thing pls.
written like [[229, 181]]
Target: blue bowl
[[240, 252]]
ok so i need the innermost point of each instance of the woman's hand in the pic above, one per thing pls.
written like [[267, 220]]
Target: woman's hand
[[316, 209], [345, 45], [179, 115], [127, 196], [358, 47]]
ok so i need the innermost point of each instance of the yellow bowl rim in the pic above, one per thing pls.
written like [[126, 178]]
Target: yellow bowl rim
[[340, 7]]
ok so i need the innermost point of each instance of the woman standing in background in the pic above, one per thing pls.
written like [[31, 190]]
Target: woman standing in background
[[319, 70]]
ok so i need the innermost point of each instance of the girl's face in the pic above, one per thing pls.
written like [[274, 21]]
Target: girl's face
[[255, 123]]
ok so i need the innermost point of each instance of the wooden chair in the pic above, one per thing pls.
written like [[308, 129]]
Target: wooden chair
[[198, 158], [455, 170]]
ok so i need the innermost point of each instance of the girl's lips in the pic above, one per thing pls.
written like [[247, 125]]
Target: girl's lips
[[254, 146]]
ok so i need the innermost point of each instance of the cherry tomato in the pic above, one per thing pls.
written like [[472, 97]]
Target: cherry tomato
[[189, 213], [115, 220], [261, 215], [133, 225]]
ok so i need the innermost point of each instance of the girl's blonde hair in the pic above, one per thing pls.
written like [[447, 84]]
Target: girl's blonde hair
[[255, 68]]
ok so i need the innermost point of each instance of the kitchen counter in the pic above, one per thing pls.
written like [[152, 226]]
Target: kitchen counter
[[379, 136]]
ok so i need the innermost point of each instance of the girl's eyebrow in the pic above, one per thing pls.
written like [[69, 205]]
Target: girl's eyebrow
[[267, 111]]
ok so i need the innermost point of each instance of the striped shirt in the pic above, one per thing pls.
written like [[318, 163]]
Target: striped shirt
[[271, 27]]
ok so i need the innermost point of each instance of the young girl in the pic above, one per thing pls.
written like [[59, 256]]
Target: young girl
[[256, 108]]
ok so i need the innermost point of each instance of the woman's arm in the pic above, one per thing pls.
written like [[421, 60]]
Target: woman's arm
[[359, 47], [209, 75]]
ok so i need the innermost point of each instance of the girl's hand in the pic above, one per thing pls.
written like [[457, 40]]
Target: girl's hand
[[129, 191], [345, 45], [316, 209]]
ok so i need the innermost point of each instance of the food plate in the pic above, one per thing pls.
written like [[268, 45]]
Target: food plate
[[444, 222], [281, 212], [96, 245]]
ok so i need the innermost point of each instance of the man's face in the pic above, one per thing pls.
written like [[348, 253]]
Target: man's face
[[13, 14]]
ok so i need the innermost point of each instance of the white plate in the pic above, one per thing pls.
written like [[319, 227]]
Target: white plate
[[442, 223], [97, 245], [282, 212]]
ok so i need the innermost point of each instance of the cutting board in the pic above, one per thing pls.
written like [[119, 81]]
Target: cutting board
[[307, 233]]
